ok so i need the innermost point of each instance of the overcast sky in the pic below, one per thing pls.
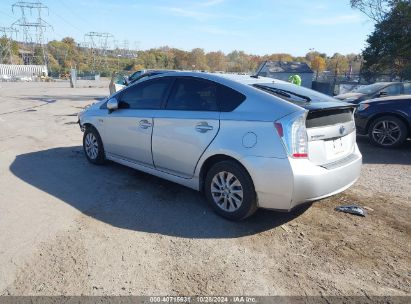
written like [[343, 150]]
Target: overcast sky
[[254, 26]]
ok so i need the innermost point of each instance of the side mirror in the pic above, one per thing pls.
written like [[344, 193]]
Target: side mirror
[[383, 93], [112, 104]]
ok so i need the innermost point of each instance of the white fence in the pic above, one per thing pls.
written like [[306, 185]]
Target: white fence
[[17, 71]]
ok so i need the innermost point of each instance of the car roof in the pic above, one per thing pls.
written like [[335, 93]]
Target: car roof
[[226, 77], [386, 82]]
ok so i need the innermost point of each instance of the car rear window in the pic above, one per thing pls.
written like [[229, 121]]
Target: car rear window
[[294, 93]]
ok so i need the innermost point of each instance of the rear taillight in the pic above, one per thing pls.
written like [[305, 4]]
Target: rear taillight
[[293, 132]]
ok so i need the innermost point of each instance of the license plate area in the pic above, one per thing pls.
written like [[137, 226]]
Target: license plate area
[[337, 146]]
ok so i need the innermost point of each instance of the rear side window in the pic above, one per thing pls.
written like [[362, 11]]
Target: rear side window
[[229, 99], [193, 94], [146, 95]]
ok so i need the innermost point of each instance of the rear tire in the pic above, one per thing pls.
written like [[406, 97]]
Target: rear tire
[[93, 146], [387, 132], [230, 191]]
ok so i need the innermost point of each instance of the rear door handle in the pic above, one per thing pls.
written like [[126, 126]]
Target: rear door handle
[[203, 127], [145, 124]]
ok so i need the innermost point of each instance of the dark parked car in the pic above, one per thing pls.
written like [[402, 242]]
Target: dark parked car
[[119, 82], [378, 89], [139, 75], [386, 121]]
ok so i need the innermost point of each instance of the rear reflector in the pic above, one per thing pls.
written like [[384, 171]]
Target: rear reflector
[[300, 155], [279, 128]]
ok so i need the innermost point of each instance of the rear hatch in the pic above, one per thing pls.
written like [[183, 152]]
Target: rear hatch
[[329, 123], [331, 133]]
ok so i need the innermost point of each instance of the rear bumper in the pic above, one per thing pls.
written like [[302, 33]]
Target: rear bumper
[[283, 184], [313, 182]]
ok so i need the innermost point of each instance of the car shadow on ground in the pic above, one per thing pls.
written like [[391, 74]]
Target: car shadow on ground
[[129, 199], [376, 155]]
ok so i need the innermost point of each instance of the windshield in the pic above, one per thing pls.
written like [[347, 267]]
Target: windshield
[[294, 93], [369, 89], [135, 75]]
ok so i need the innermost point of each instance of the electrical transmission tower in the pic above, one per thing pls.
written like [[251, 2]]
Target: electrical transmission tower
[[98, 44], [32, 26], [125, 48], [6, 44]]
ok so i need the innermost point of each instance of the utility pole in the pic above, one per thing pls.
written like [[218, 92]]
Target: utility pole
[[32, 25], [6, 51], [98, 44]]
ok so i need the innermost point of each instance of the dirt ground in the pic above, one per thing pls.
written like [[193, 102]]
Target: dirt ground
[[71, 228]]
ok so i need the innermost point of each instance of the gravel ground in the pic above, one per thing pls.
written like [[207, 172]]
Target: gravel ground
[[71, 228]]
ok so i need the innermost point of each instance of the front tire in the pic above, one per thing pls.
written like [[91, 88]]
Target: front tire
[[230, 191], [387, 132], [93, 146]]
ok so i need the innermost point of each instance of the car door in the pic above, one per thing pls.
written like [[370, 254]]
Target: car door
[[128, 130], [185, 126]]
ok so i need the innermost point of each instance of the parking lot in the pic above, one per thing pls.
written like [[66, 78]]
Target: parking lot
[[71, 228]]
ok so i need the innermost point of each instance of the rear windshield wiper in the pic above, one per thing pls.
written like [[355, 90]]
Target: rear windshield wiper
[[284, 93]]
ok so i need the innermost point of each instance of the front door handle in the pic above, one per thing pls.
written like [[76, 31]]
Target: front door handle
[[145, 124], [203, 127]]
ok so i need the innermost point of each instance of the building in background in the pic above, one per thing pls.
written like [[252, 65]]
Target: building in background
[[283, 70]]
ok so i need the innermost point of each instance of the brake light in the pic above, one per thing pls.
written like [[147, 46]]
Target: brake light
[[293, 132]]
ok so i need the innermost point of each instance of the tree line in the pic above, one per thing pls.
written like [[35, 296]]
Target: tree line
[[65, 54]]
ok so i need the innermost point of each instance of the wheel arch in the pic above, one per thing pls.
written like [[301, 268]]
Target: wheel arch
[[213, 159], [394, 114], [88, 125]]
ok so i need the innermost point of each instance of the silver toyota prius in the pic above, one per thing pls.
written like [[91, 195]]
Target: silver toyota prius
[[246, 142]]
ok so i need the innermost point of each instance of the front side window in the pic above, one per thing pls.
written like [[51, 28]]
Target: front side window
[[392, 90], [147, 95]]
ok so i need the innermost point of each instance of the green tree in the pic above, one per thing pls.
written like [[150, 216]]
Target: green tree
[[388, 48]]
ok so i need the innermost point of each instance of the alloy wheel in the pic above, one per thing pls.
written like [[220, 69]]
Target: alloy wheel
[[386, 133], [227, 191], [91, 146]]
